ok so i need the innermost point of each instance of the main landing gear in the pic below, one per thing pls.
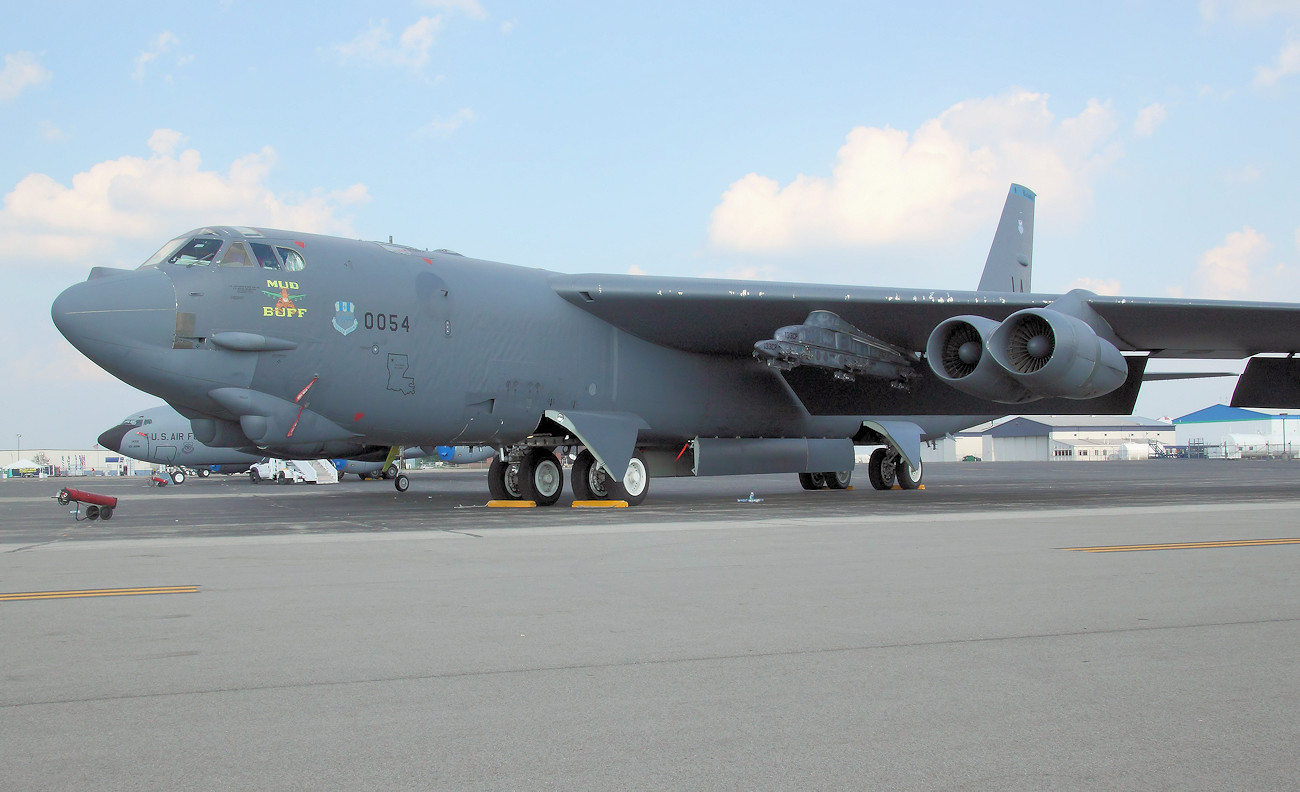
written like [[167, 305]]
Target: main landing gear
[[592, 482], [834, 480], [535, 474], [888, 467]]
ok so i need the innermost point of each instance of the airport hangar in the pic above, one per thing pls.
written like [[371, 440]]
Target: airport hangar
[[1056, 438]]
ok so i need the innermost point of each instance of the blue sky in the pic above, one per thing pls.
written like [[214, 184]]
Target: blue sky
[[861, 143]]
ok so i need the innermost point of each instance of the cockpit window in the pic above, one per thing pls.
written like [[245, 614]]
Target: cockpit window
[[163, 252], [235, 256], [199, 250], [265, 256], [293, 261]]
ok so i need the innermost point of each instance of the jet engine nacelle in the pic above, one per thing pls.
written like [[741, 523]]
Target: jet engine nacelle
[[1052, 353], [219, 433], [958, 354]]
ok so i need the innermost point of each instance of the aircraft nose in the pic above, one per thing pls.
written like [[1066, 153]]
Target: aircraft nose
[[112, 439], [120, 320]]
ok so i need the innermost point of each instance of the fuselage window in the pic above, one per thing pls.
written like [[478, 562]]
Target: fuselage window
[[197, 251], [235, 256], [293, 261], [265, 256]]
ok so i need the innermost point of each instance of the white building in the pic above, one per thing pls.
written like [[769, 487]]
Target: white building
[[1074, 438]]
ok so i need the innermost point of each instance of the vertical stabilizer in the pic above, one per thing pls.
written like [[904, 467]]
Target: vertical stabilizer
[[1012, 254]]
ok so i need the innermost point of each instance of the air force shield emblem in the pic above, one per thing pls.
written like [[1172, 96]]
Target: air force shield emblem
[[345, 317]]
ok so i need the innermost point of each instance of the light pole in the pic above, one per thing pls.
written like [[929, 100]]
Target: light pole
[[20, 445], [1285, 454]]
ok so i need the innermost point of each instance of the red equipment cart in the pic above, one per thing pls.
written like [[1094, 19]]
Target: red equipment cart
[[98, 507]]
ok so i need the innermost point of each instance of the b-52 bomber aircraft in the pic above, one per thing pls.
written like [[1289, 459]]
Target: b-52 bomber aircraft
[[336, 347]]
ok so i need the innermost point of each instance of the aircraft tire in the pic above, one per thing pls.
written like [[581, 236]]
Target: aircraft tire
[[838, 479], [254, 476], [909, 478], [812, 481], [401, 483], [105, 512], [541, 479], [178, 477], [880, 471], [204, 472], [391, 471], [635, 484], [588, 478], [503, 482]]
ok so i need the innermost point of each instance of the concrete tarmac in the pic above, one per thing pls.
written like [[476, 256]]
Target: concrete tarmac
[[351, 637]]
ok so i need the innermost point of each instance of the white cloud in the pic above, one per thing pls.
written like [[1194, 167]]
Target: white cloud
[[1286, 63], [165, 41], [1228, 270], [1110, 286], [377, 47], [444, 127], [21, 72], [889, 186], [635, 269], [471, 8], [508, 26], [113, 211], [1149, 119]]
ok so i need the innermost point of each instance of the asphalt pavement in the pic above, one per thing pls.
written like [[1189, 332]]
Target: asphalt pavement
[[1056, 626]]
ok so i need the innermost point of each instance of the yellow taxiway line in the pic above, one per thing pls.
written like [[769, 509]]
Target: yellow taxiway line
[[1185, 545], [117, 592]]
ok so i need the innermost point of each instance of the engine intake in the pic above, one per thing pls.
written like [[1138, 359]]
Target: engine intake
[[1054, 354], [958, 354]]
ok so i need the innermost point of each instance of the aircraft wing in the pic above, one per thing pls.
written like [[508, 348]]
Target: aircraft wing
[[728, 317]]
